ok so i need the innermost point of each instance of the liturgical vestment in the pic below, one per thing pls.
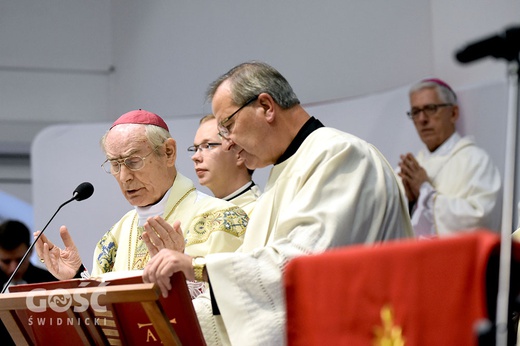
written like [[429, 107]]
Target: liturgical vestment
[[464, 192], [209, 225], [334, 190]]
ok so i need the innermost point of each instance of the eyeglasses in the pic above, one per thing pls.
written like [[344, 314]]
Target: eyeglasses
[[202, 147], [133, 163], [224, 131], [428, 110]]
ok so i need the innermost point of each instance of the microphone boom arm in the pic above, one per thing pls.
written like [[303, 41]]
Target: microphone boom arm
[[83, 191]]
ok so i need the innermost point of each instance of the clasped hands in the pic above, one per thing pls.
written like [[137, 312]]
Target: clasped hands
[[166, 246], [412, 175], [159, 235]]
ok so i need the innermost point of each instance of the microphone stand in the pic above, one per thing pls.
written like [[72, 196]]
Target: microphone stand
[[509, 194], [507, 46], [32, 245], [83, 191]]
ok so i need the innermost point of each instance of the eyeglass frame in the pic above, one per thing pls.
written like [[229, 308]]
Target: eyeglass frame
[[424, 110], [122, 161], [221, 128], [193, 149]]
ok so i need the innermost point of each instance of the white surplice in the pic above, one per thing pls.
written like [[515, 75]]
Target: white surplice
[[336, 190], [245, 197], [464, 192]]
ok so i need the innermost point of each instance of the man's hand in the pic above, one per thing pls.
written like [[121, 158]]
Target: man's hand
[[163, 265], [63, 264], [412, 175], [160, 235]]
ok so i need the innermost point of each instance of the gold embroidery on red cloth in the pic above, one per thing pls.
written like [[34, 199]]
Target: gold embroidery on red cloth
[[388, 334]]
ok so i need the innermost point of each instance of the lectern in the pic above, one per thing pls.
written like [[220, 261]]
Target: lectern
[[90, 312]]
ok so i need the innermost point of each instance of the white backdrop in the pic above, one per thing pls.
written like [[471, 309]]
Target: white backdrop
[[63, 156]]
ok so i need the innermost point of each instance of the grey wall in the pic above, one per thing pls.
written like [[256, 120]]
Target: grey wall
[[55, 60], [72, 61], [167, 53]]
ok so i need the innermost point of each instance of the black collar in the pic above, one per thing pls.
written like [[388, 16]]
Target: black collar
[[248, 187], [310, 126]]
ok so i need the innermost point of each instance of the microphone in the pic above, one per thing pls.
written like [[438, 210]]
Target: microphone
[[82, 192], [505, 45]]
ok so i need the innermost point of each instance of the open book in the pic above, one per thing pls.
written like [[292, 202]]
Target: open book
[[54, 312]]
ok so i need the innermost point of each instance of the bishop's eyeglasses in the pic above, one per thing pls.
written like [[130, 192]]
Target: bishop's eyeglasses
[[428, 110], [133, 163]]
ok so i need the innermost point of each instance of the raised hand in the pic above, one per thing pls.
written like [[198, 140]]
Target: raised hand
[[62, 263], [161, 267]]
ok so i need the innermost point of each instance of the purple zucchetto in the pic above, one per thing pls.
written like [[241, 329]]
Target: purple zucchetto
[[141, 116]]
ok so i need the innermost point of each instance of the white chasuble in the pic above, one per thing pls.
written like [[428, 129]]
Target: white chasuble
[[209, 225]]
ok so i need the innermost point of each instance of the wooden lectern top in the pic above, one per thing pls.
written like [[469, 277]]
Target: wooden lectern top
[[91, 312]]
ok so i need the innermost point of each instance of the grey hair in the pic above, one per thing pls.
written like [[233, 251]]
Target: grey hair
[[252, 78], [445, 94], [155, 135]]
